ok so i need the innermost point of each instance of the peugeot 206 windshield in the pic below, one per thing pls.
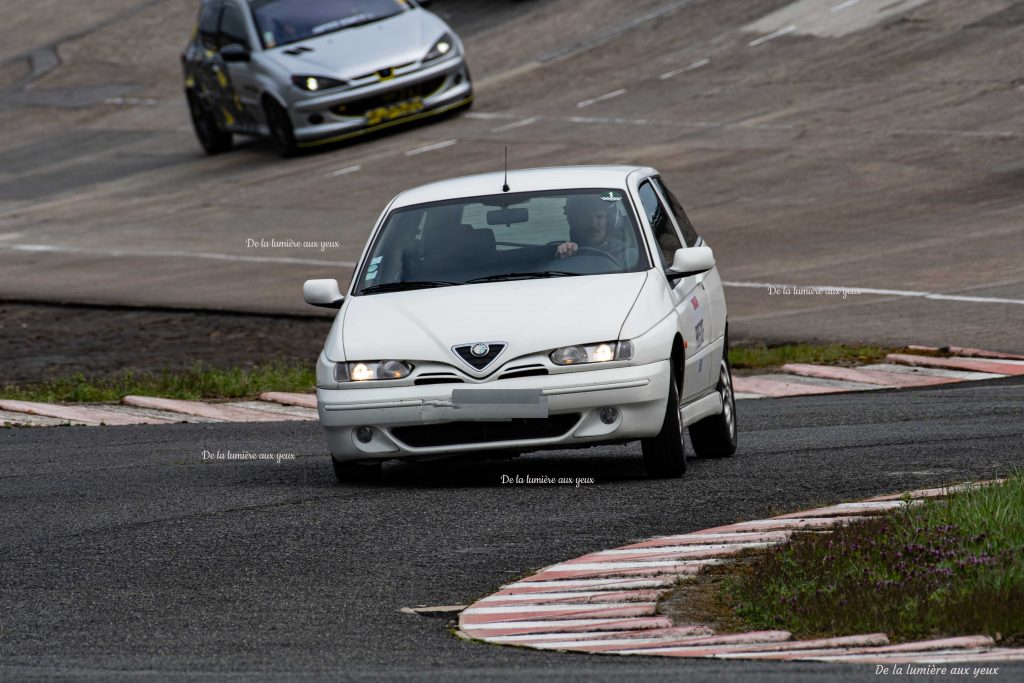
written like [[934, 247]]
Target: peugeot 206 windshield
[[503, 237], [281, 22]]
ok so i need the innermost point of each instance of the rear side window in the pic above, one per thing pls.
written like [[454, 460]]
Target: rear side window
[[685, 226], [232, 27], [657, 216], [208, 20]]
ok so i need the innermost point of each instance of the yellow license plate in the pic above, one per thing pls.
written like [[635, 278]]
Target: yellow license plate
[[394, 111]]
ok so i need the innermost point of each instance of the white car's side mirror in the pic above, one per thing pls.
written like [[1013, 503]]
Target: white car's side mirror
[[323, 293], [691, 261]]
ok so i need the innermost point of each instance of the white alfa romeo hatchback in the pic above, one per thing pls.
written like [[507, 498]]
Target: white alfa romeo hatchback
[[555, 308]]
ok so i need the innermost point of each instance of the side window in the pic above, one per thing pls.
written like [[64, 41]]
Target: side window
[[689, 233], [664, 232], [208, 20], [232, 27]]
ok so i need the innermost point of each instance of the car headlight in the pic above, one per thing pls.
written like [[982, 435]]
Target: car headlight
[[365, 371], [601, 352], [442, 48], [315, 83]]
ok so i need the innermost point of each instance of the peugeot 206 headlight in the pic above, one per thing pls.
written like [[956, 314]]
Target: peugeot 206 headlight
[[365, 371], [601, 352], [444, 47], [316, 83]]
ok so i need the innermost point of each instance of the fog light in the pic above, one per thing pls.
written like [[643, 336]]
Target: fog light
[[364, 434], [609, 415]]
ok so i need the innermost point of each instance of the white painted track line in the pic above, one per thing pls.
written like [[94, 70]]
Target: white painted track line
[[431, 148], [601, 98], [689, 67], [516, 124], [772, 36], [345, 171], [843, 5], [131, 253], [855, 291]]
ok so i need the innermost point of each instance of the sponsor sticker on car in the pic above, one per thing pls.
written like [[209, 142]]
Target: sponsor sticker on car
[[394, 111]]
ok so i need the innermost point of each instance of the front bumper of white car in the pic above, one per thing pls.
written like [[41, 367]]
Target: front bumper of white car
[[424, 422]]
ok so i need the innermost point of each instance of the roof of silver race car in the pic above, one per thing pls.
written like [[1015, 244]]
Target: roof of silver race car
[[521, 180]]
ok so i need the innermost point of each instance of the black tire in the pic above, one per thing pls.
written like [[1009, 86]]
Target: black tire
[[282, 135], [716, 436], [665, 454], [212, 139], [348, 472]]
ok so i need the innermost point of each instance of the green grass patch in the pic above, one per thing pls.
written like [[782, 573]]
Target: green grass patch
[[750, 357], [199, 381], [943, 568]]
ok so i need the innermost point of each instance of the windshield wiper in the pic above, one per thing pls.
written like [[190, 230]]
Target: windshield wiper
[[522, 276], [409, 284], [364, 22]]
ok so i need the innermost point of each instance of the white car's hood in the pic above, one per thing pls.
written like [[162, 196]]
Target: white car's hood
[[354, 52], [529, 315]]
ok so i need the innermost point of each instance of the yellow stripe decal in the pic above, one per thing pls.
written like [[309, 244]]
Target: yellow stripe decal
[[364, 131]]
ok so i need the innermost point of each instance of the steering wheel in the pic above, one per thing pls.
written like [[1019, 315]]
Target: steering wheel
[[594, 251]]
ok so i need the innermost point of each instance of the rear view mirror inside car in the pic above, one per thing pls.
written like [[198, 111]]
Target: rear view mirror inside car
[[507, 216]]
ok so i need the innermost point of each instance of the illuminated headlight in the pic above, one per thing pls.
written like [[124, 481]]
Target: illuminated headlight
[[366, 371], [315, 83], [442, 48], [592, 353]]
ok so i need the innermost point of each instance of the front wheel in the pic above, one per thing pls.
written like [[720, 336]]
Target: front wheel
[[282, 135], [715, 436], [665, 454], [208, 131]]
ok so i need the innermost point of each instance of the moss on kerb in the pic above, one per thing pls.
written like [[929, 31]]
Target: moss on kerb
[[760, 356]]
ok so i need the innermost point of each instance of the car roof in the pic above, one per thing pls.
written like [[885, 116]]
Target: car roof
[[520, 180]]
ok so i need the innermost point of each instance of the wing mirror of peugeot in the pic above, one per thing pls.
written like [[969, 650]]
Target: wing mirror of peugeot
[[323, 293], [235, 52], [691, 261]]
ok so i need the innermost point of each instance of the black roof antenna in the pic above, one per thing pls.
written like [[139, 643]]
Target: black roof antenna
[[505, 188]]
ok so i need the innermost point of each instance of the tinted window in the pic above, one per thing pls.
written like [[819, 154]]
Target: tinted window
[[664, 232], [208, 25], [232, 27], [280, 22], [689, 233], [510, 236]]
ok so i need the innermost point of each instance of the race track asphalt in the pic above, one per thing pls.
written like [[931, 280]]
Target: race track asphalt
[[886, 159], [125, 556]]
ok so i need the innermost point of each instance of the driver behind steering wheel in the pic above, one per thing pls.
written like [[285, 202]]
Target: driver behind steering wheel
[[591, 225]]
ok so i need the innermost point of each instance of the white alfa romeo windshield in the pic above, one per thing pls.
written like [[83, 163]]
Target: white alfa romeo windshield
[[504, 237], [281, 22]]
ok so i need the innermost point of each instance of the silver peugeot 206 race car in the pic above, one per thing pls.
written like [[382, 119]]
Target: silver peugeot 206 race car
[[310, 72], [564, 308]]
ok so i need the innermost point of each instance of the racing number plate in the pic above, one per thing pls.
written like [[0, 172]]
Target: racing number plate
[[394, 111], [500, 404]]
